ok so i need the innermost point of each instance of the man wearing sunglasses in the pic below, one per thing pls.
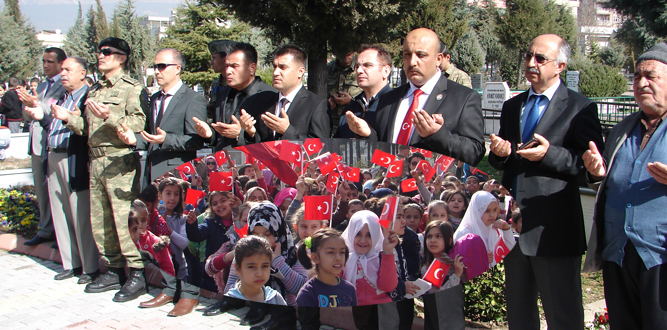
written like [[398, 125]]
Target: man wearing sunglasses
[[169, 137], [116, 100], [543, 180]]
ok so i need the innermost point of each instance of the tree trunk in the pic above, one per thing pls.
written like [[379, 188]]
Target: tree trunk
[[317, 71], [518, 78]]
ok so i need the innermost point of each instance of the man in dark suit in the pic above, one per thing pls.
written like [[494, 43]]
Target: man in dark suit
[[241, 65], [447, 117], [169, 135], [543, 178], [48, 93], [294, 112]]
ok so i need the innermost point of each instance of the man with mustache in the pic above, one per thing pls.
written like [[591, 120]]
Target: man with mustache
[[428, 112], [631, 179], [543, 181]]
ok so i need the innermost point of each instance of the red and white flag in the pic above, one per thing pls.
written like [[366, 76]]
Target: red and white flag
[[350, 173], [436, 273], [332, 182], [395, 168], [389, 212], [382, 158], [500, 250], [426, 153], [291, 152], [408, 185], [242, 232], [221, 157], [475, 170], [312, 146], [186, 168], [318, 207], [444, 162], [194, 197], [326, 162], [427, 169], [220, 181]]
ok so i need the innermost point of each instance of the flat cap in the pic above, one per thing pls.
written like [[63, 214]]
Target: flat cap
[[221, 46], [657, 52], [117, 43]]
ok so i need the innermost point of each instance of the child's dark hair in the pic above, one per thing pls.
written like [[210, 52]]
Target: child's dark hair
[[150, 193], [133, 217], [516, 216], [250, 246], [178, 210], [449, 194], [447, 233], [315, 242], [356, 202]]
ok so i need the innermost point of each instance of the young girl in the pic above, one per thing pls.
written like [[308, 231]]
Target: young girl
[[252, 257], [437, 210], [457, 204], [256, 194], [413, 213], [156, 224], [146, 240], [328, 253], [481, 219]]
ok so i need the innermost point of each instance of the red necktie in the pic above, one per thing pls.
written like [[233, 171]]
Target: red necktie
[[406, 126]]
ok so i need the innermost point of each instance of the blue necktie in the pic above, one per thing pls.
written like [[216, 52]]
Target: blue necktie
[[533, 116]]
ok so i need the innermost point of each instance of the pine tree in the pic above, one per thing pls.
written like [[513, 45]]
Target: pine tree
[[92, 39], [75, 40], [468, 55], [102, 26], [14, 11], [21, 50], [138, 37], [115, 30]]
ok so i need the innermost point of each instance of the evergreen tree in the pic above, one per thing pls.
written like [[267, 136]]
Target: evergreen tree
[[637, 38], [75, 40], [21, 50], [92, 39], [468, 54], [652, 13], [14, 11], [138, 37], [102, 26], [481, 20], [115, 30], [614, 54]]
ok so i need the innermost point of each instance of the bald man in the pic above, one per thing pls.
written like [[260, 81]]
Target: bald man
[[444, 117]]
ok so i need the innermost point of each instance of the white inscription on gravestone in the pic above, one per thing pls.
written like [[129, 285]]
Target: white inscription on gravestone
[[476, 80], [495, 94], [573, 80]]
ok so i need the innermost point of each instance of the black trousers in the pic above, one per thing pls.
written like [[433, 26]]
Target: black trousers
[[365, 317], [309, 318], [396, 315], [636, 297], [558, 282], [443, 310]]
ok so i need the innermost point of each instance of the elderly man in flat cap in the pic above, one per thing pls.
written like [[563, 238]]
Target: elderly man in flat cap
[[115, 102], [628, 241]]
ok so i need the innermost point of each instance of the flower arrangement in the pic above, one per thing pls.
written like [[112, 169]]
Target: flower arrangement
[[600, 321], [19, 212]]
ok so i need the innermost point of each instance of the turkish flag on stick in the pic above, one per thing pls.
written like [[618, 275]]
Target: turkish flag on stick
[[332, 182], [193, 197], [267, 153], [326, 162], [186, 168], [395, 169], [389, 212], [382, 158], [427, 169], [243, 232], [444, 162], [291, 152], [220, 181], [436, 273], [475, 170], [350, 173], [312, 146], [500, 250], [221, 157], [408, 185], [318, 207], [426, 153]]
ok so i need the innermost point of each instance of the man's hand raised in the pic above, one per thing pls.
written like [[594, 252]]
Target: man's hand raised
[[357, 125], [593, 162], [202, 128]]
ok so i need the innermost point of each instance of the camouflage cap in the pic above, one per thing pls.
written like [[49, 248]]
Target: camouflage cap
[[117, 43], [221, 46]]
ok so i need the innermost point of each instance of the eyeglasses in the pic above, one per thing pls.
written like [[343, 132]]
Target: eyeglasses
[[162, 66], [539, 59], [109, 51]]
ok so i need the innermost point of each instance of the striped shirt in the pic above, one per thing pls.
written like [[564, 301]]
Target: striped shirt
[[58, 133]]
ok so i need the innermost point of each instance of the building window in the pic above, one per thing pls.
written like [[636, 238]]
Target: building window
[[603, 19]]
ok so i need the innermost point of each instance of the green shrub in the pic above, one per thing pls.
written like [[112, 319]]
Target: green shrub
[[19, 212], [597, 80], [485, 296], [266, 74]]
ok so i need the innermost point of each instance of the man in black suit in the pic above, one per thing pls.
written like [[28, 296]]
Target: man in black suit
[[547, 255], [169, 135], [447, 117], [241, 65], [294, 112]]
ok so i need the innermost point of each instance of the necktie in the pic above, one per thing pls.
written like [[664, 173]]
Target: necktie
[[49, 83], [406, 126], [283, 104], [163, 100], [533, 117]]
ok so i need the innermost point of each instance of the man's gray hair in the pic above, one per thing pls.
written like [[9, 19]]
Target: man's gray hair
[[564, 50], [177, 55]]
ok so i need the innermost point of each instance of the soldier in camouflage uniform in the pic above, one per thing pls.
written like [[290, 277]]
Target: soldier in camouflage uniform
[[342, 86], [452, 72], [219, 50], [116, 102]]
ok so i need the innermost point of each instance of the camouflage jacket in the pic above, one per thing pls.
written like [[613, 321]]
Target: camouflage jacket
[[458, 75], [341, 79]]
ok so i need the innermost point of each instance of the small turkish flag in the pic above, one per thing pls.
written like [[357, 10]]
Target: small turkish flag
[[500, 250], [291, 152], [382, 158], [220, 181], [186, 168], [318, 207], [426, 153], [388, 211], [312, 146], [475, 170], [326, 162], [221, 157], [351, 173], [444, 162], [242, 232], [427, 169], [332, 182], [183, 176], [408, 185], [436, 273], [395, 168], [194, 197]]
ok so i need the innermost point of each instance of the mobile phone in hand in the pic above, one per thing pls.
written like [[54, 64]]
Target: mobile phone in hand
[[532, 143]]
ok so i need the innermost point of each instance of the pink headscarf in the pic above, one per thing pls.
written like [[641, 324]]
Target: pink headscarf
[[285, 193]]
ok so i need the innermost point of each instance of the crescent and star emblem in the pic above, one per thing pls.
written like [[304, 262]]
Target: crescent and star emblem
[[439, 270], [385, 161], [405, 126], [391, 168], [500, 251], [424, 167], [298, 159], [319, 208], [223, 182], [310, 148], [412, 184], [385, 210]]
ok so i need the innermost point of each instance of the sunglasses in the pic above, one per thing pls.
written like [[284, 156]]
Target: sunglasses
[[109, 51], [539, 59], [162, 66]]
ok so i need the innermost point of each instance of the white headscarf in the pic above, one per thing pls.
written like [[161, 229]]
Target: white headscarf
[[370, 262], [472, 220]]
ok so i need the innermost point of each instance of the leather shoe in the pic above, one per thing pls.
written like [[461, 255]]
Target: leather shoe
[[88, 278], [37, 240], [268, 325], [183, 307], [134, 287], [160, 300], [255, 315], [105, 282], [222, 306], [65, 274]]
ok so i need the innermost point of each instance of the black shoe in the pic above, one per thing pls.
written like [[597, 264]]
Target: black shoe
[[268, 325], [65, 274], [105, 282], [134, 287], [222, 306], [255, 315], [54, 246], [37, 240], [88, 278]]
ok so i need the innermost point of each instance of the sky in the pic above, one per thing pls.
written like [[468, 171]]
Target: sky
[[61, 14]]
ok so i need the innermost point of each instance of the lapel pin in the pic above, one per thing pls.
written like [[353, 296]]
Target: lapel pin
[[438, 97]]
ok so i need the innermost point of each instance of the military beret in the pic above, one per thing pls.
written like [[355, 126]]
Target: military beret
[[221, 46], [657, 52], [117, 43]]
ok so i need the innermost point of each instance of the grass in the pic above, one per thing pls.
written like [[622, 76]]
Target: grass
[[11, 163]]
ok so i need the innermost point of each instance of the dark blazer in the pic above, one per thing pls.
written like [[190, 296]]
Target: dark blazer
[[182, 141], [357, 107], [307, 114], [218, 141], [462, 135], [547, 191]]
